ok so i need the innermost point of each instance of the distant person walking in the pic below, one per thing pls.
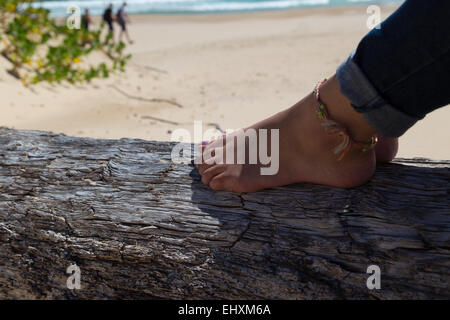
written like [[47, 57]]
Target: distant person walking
[[108, 18], [86, 20], [122, 20]]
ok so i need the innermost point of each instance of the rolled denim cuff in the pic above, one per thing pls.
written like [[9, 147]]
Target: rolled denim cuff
[[384, 118]]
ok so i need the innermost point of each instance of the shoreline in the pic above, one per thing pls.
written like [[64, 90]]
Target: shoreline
[[248, 10], [272, 14], [229, 70]]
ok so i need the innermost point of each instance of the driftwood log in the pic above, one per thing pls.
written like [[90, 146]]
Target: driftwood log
[[139, 226]]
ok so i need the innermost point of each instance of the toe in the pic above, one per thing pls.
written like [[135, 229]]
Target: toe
[[200, 159], [208, 154], [222, 181], [211, 172], [203, 167]]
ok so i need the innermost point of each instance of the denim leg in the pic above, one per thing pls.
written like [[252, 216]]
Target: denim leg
[[401, 72]]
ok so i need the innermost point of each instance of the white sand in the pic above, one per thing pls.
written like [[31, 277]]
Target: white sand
[[232, 70]]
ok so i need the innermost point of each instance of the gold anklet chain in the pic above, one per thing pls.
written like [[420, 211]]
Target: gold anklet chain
[[332, 127]]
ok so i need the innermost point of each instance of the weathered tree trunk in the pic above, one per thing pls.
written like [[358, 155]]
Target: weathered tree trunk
[[139, 226]]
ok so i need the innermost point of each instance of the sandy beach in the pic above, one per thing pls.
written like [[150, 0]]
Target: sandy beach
[[228, 71]]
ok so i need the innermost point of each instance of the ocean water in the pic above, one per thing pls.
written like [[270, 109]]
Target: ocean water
[[59, 7]]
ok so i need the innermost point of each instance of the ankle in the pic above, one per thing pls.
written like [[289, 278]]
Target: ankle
[[341, 111]]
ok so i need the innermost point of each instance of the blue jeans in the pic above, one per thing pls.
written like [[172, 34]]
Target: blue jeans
[[401, 71]]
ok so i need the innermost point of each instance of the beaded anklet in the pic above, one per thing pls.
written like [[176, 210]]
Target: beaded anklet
[[332, 127]]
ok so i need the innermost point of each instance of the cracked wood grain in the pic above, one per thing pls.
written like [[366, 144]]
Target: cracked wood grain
[[141, 227]]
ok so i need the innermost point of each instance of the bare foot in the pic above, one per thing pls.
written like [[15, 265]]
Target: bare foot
[[305, 149]]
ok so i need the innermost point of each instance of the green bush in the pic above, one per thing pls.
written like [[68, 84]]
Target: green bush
[[40, 49]]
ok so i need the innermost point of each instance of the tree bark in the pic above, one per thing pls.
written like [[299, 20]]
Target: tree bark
[[139, 226]]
